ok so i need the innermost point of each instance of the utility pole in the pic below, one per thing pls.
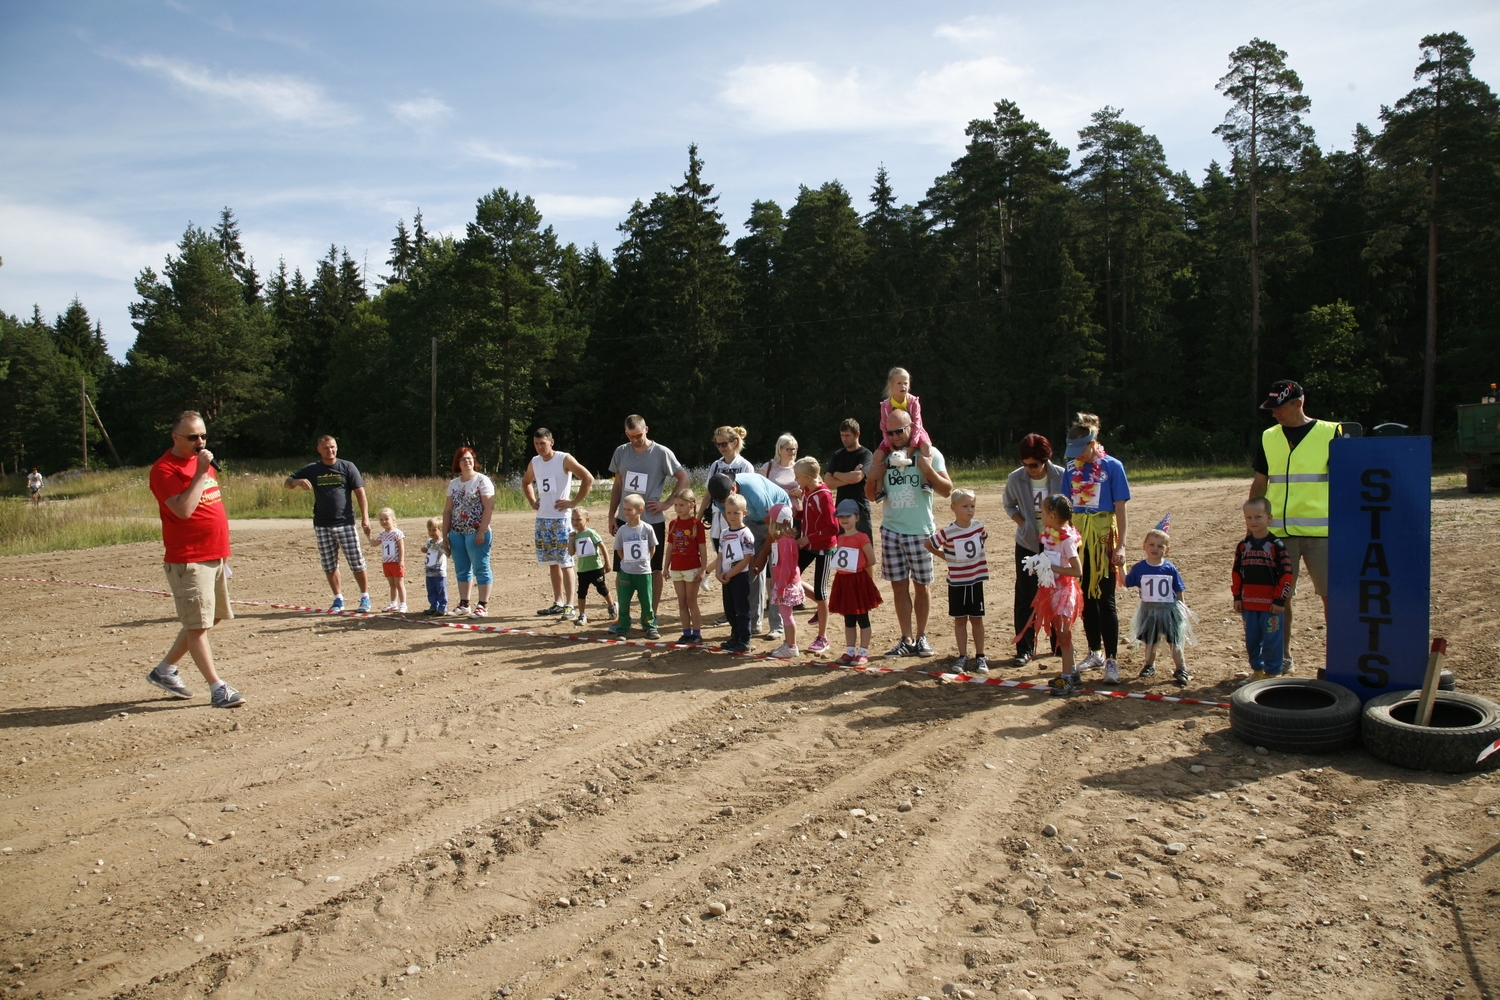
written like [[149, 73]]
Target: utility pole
[[83, 413], [434, 408]]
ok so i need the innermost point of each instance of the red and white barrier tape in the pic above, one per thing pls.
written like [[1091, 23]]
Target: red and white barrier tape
[[648, 644]]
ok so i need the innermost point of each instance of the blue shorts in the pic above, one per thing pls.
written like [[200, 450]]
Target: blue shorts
[[552, 541]]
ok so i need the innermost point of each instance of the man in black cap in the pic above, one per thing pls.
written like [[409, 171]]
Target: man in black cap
[[1291, 471]]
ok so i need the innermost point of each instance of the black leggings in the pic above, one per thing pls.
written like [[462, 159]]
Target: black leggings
[[857, 621], [1101, 621]]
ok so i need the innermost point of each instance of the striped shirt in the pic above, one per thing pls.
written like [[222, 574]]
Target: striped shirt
[[964, 550]]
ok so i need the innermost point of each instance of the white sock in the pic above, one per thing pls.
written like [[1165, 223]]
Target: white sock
[[216, 687], [363, 594], [338, 597], [165, 669], [849, 650], [863, 651]]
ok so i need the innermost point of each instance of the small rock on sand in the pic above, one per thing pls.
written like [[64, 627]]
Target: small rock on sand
[[904, 806], [1049, 830], [857, 813], [717, 909], [1176, 847], [876, 939], [1114, 875], [1190, 724], [1197, 768], [230, 808]]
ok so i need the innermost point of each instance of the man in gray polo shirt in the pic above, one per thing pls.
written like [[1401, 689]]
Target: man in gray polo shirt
[[643, 466]]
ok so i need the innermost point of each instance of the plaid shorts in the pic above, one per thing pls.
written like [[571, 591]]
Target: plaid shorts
[[904, 557], [331, 539], [552, 541]]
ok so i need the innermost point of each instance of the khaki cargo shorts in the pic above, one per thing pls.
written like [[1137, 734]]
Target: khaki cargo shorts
[[201, 591], [1314, 552]]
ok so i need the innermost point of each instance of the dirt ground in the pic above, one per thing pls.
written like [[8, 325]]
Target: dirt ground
[[407, 811]]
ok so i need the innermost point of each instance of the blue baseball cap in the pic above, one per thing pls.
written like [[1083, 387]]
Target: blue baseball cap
[[847, 508], [1076, 445]]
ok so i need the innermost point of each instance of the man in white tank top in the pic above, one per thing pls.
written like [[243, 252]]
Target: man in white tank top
[[548, 485]]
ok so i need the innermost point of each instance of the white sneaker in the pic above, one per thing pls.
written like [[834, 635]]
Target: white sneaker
[[1111, 672], [785, 652], [390, 607], [401, 607], [1093, 661]]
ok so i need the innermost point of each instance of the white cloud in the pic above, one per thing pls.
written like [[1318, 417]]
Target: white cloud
[[967, 32], [52, 254], [484, 151], [284, 97], [421, 110], [789, 97], [574, 206], [616, 8]]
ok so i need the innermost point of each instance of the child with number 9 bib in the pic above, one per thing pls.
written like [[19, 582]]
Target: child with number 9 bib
[[961, 547], [1161, 615], [635, 543], [855, 594]]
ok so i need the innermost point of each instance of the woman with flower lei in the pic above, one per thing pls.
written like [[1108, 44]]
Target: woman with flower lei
[[1095, 483]]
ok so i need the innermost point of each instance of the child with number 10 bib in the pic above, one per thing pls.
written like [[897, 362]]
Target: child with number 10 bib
[[1161, 615]]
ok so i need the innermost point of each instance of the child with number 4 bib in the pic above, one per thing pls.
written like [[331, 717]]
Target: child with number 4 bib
[[961, 546], [736, 553], [435, 568], [855, 594], [635, 543], [1161, 616], [592, 559]]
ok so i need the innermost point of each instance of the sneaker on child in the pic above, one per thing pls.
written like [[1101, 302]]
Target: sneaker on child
[[169, 682], [225, 696]]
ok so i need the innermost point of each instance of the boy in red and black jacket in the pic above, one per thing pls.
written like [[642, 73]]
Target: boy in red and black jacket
[[819, 528], [1261, 584]]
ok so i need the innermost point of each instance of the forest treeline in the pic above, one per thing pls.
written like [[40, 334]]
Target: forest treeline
[[1028, 281]]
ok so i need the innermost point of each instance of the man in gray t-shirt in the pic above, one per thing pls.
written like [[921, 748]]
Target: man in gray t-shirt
[[643, 466]]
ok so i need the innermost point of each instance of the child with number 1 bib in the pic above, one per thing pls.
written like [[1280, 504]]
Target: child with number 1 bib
[[1161, 615], [393, 559]]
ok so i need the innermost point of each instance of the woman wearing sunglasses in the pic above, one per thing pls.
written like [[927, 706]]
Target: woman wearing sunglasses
[[1025, 489]]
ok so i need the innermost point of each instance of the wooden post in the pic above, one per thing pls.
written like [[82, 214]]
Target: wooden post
[[433, 429], [103, 431], [1430, 683], [83, 413]]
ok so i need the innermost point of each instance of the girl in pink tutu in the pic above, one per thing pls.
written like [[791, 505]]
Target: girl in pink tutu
[[786, 578], [854, 591], [1059, 600]]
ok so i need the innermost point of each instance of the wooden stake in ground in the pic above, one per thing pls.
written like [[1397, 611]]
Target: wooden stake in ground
[[1430, 682]]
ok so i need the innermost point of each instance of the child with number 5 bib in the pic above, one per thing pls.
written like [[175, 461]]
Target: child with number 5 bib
[[1161, 616]]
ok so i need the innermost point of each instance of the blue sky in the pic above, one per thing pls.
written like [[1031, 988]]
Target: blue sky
[[322, 123]]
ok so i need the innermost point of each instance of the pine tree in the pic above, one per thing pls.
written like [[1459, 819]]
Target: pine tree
[[402, 255], [227, 233], [1446, 128], [1264, 129]]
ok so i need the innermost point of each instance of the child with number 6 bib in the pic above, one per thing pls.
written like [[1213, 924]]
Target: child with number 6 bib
[[635, 543], [1161, 616], [854, 591]]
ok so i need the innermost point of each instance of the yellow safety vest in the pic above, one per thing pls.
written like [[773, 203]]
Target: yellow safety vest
[[1298, 488]]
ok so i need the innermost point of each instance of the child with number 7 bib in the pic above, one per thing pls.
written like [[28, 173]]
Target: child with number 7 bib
[[1161, 615], [635, 542], [855, 594], [592, 558]]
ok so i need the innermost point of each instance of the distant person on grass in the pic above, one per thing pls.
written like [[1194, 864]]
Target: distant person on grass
[[335, 482], [643, 467], [195, 532], [34, 485], [548, 485], [466, 525]]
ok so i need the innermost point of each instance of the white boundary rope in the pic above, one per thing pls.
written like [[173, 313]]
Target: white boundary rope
[[977, 679]]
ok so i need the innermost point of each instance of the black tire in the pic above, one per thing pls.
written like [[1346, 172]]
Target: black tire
[[1462, 726], [1294, 715], [1446, 681], [1475, 476]]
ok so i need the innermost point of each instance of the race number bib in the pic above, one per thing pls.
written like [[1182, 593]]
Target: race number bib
[[546, 486], [733, 551], [585, 548], [1157, 590], [635, 551], [388, 550], [969, 549], [845, 559], [635, 482]]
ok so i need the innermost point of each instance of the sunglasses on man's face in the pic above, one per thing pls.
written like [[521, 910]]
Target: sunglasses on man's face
[[898, 430], [192, 437]]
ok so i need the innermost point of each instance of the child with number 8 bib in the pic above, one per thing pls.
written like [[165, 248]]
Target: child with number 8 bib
[[1161, 615], [855, 594]]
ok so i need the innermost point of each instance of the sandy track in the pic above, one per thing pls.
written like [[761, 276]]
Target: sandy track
[[411, 796]]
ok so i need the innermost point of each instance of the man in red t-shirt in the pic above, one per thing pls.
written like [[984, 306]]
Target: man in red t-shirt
[[195, 530]]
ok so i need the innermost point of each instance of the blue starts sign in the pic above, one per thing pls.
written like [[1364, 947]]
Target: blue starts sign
[[1379, 562]]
